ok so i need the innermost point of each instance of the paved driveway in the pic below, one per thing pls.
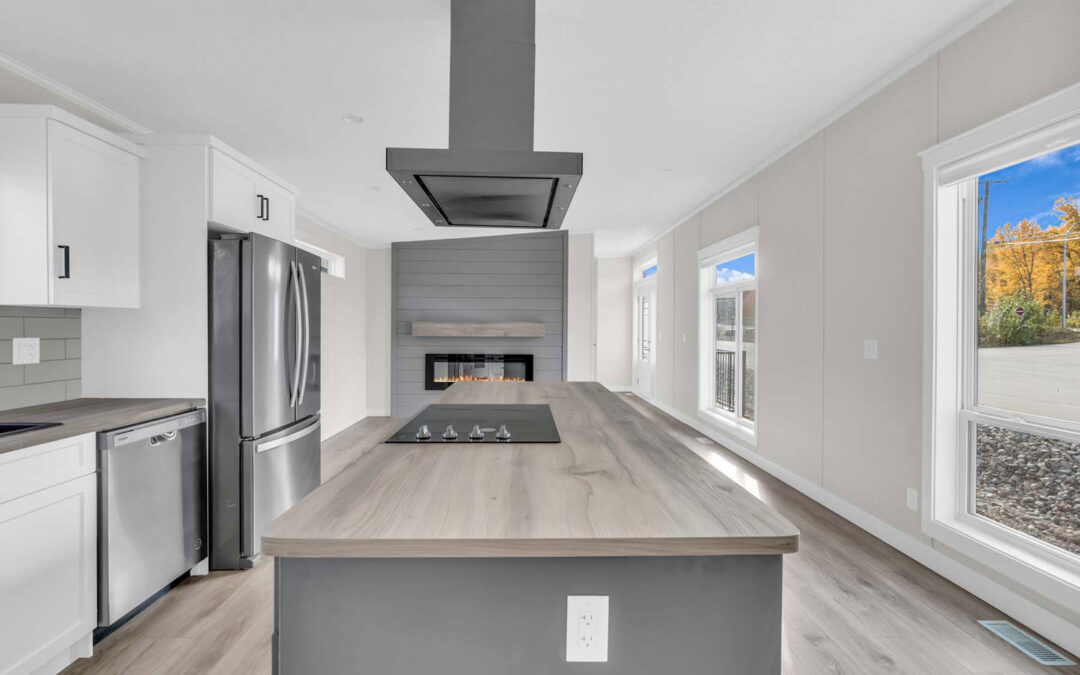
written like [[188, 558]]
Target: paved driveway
[[1041, 380]]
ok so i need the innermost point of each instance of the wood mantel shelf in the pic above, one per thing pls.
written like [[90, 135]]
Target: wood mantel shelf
[[504, 329]]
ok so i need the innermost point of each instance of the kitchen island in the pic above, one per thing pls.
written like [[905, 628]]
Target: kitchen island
[[458, 558]]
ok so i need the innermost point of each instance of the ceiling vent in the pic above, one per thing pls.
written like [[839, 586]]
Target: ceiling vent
[[490, 176]]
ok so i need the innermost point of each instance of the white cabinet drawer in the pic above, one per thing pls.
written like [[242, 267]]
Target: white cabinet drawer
[[41, 466]]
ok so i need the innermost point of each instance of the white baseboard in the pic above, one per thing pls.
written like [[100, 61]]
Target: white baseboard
[[378, 412], [617, 388], [1038, 618]]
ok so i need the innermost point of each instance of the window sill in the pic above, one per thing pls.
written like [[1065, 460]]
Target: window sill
[[744, 433], [1010, 555]]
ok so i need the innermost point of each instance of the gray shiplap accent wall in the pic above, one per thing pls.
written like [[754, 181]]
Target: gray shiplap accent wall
[[59, 375], [519, 277]]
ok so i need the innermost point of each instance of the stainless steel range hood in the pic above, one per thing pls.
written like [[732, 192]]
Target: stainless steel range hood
[[490, 176]]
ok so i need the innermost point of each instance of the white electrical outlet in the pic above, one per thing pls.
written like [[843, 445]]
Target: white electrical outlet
[[684, 338], [869, 350], [586, 628], [25, 351], [913, 499]]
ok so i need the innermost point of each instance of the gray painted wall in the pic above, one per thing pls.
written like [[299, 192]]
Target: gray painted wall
[[505, 278], [58, 376], [496, 616]]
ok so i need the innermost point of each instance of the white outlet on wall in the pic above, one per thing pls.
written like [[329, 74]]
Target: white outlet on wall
[[913, 499], [25, 351], [869, 350], [586, 628]]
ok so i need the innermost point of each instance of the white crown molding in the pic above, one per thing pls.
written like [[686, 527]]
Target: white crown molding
[[942, 41], [45, 82], [308, 215]]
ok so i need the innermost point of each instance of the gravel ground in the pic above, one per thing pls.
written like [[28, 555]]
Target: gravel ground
[[1030, 483]]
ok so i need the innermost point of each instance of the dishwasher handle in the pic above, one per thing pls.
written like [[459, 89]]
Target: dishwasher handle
[[157, 431]]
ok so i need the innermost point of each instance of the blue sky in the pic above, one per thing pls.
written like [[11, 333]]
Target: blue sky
[[1033, 187], [738, 269]]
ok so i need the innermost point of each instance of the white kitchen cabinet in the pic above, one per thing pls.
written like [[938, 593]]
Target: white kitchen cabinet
[[48, 555], [244, 199], [69, 216]]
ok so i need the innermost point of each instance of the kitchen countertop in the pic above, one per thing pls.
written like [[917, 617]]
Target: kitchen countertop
[[85, 415], [615, 486]]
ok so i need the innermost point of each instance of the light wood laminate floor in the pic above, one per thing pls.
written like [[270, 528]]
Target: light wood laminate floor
[[852, 604]]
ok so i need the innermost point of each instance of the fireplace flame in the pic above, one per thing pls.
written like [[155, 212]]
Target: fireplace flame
[[474, 378]]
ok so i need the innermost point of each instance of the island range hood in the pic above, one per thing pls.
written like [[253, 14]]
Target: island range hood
[[490, 176]]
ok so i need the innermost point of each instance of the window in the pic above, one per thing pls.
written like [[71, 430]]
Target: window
[[729, 307], [1003, 404], [649, 271]]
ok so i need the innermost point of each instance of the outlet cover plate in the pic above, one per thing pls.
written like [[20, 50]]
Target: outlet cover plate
[[25, 351], [586, 628], [870, 350]]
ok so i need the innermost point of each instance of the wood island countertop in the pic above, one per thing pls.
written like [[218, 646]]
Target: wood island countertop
[[615, 486]]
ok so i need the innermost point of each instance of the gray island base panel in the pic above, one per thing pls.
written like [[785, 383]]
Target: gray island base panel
[[702, 615]]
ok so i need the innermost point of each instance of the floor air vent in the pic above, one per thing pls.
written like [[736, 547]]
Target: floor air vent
[[1034, 648]]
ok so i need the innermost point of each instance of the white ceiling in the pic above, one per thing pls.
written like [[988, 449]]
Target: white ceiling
[[668, 100]]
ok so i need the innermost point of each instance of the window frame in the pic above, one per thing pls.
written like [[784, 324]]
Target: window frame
[[732, 423], [950, 340]]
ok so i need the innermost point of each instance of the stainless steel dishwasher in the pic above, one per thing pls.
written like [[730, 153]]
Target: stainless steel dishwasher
[[152, 509]]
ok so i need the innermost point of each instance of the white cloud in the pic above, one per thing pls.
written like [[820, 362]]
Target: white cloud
[[727, 276]]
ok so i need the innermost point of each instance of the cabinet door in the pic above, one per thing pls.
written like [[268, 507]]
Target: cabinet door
[[232, 192], [48, 573], [24, 242], [94, 217], [278, 212]]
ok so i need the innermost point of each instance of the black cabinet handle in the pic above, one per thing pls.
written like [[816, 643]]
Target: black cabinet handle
[[262, 208], [67, 261], [267, 218]]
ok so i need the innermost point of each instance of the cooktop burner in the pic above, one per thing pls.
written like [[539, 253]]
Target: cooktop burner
[[512, 423]]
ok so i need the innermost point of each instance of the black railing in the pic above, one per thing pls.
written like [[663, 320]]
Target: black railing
[[725, 380]]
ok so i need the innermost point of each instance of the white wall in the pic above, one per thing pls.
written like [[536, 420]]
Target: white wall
[[841, 261], [581, 308], [344, 329], [614, 316], [378, 331]]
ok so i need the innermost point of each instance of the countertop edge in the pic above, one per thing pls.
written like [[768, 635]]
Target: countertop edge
[[530, 548]]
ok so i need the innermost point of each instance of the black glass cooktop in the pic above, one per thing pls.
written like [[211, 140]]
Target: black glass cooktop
[[511, 423]]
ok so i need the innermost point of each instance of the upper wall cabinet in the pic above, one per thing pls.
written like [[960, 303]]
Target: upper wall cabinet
[[69, 211], [245, 199]]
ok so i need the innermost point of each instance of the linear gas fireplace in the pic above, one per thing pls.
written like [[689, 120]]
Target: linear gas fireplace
[[442, 370]]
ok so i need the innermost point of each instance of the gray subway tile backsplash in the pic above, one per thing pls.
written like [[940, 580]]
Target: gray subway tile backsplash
[[58, 376]]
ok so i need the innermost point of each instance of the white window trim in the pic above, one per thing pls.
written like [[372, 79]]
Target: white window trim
[[948, 382], [742, 430]]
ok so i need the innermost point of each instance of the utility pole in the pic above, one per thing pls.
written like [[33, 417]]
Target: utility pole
[[1065, 279], [985, 199]]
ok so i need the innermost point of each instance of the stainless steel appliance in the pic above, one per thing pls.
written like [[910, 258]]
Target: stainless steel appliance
[[152, 510], [495, 423], [264, 389]]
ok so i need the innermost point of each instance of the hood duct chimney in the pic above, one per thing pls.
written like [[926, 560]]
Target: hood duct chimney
[[490, 176]]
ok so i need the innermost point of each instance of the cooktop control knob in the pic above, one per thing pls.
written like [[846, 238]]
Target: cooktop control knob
[[423, 433], [449, 434], [476, 434], [503, 434]]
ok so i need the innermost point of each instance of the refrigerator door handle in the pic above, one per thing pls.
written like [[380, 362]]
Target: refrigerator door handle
[[285, 440], [307, 333], [293, 277]]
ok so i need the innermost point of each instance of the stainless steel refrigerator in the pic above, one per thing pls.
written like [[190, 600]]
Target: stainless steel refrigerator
[[264, 389]]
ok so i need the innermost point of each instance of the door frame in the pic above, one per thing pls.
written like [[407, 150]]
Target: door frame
[[647, 389]]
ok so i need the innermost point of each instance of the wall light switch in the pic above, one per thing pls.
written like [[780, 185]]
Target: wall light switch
[[869, 350], [913, 499], [586, 628], [25, 351]]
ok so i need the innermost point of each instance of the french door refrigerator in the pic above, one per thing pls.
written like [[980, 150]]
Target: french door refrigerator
[[264, 389]]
